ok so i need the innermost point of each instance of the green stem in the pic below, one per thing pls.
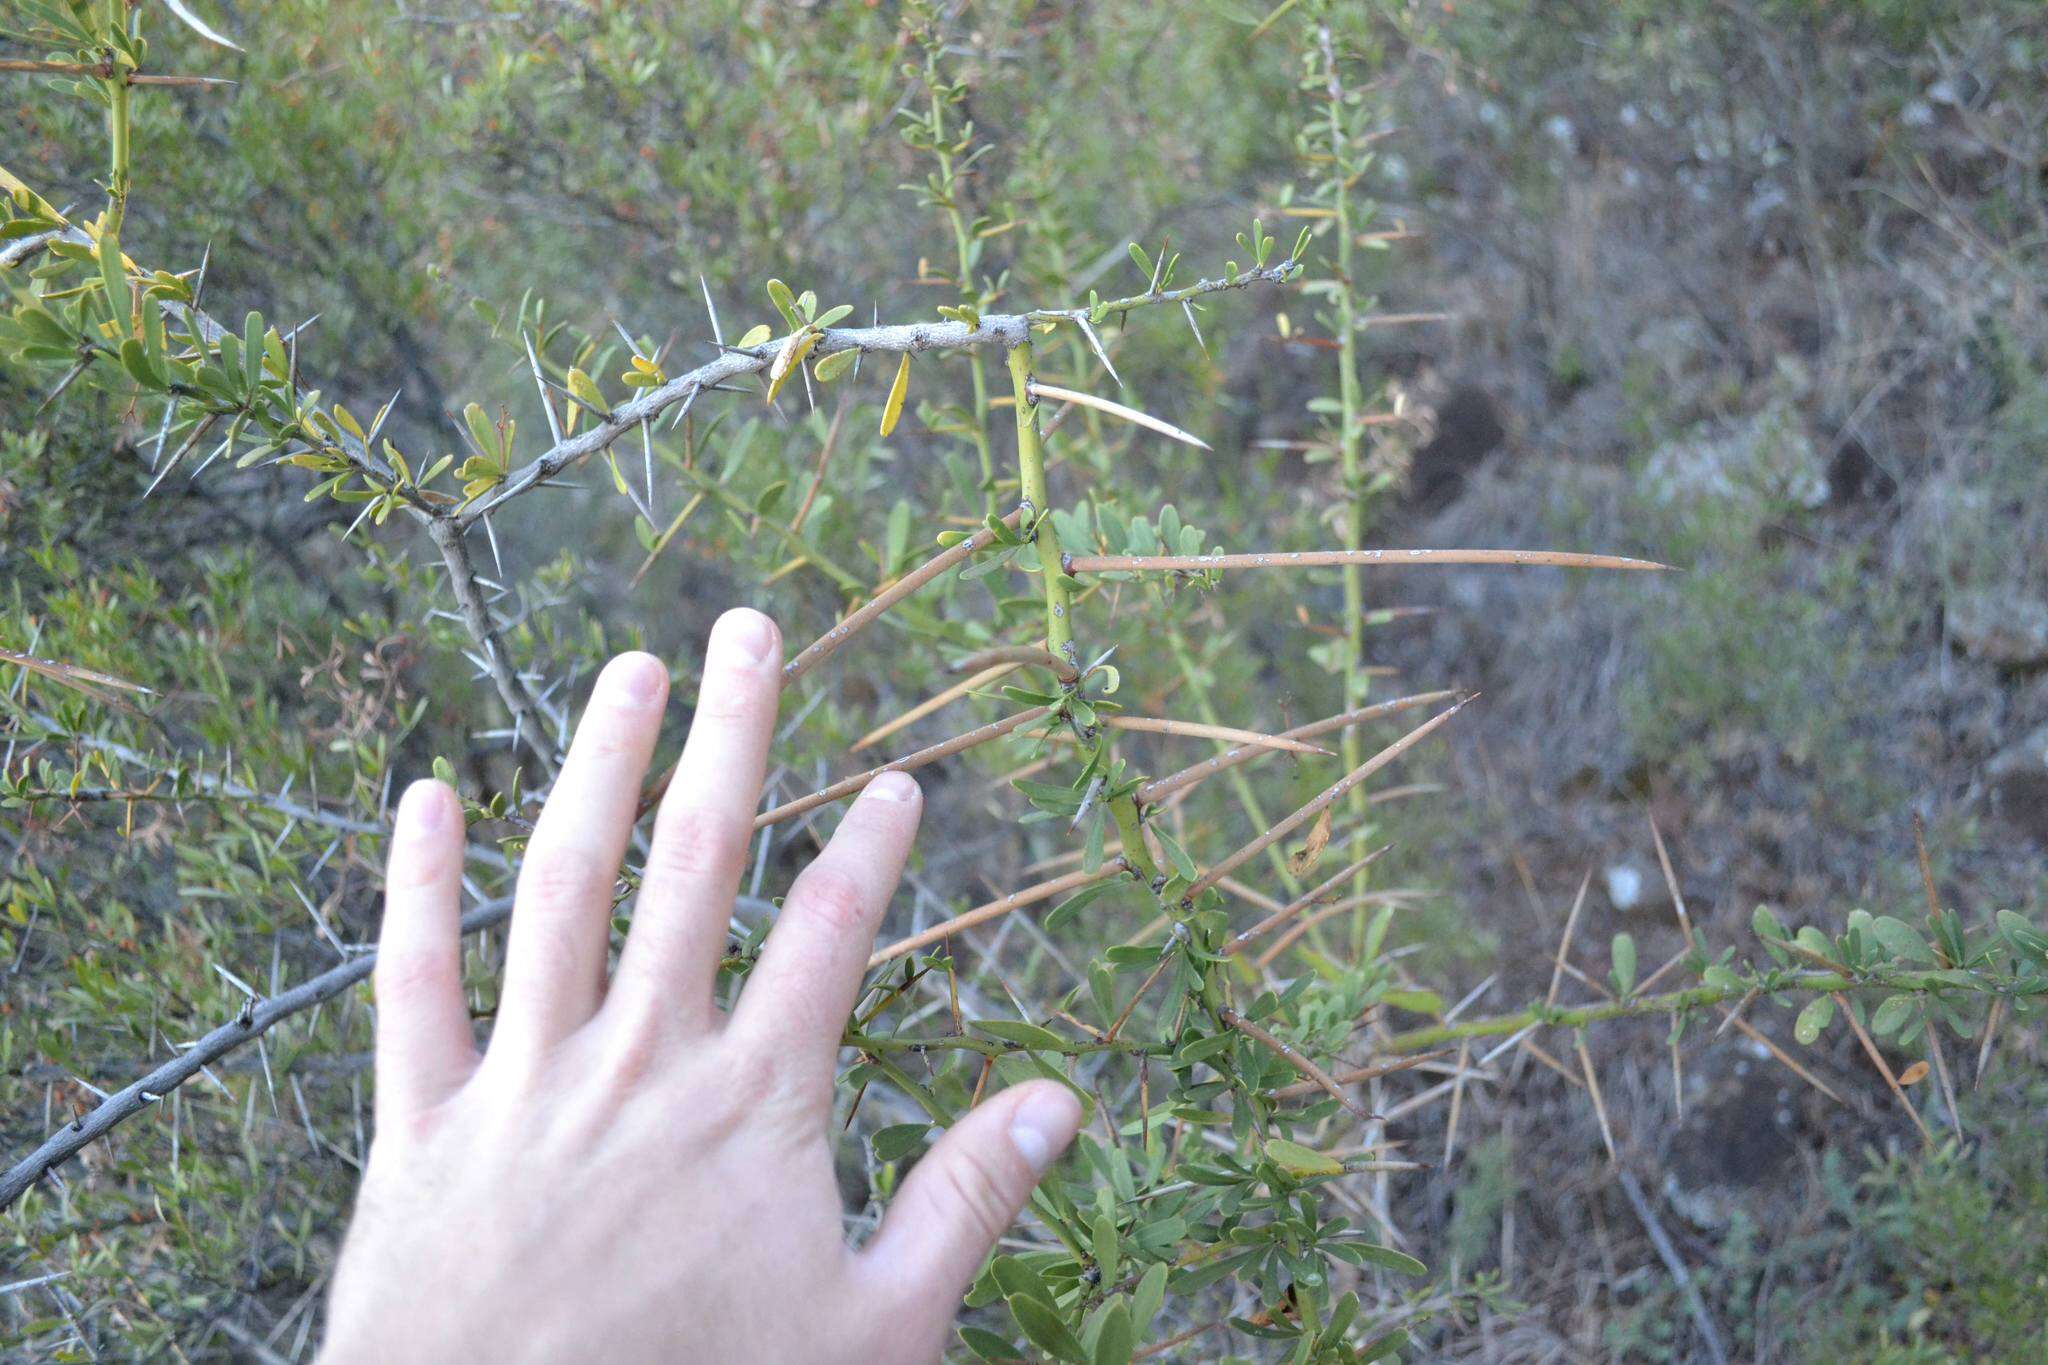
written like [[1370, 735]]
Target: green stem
[[1674, 1002], [995, 1047], [1240, 785], [963, 250], [1131, 829], [118, 141], [1350, 465], [1059, 602], [798, 546]]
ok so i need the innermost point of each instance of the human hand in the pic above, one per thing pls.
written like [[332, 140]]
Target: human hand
[[628, 1172]]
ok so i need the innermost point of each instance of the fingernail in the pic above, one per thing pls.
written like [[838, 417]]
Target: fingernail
[[1044, 1124], [423, 807], [893, 786], [746, 631], [640, 678]]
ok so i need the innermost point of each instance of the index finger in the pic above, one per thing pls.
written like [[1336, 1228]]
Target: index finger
[[796, 1000]]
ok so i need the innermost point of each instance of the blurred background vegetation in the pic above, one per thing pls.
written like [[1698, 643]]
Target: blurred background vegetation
[[1752, 287]]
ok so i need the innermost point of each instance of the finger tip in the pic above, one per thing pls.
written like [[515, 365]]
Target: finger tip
[[426, 805], [639, 677], [752, 634], [1044, 1122], [893, 786]]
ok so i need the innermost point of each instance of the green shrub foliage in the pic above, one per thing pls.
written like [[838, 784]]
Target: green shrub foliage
[[245, 600]]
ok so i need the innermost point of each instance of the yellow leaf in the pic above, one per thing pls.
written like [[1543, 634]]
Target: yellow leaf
[[1310, 853], [585, 389], [790, 359], [893, 408]]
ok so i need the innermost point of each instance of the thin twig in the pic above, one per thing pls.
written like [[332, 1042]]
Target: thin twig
[[1884, 1069], [512, 690], [1334, 792], [822, 648], [1226, 733], [1666, 1252], [1288, 1053], [1157, 790], [995, 909], [931, 754], [1320, 559]]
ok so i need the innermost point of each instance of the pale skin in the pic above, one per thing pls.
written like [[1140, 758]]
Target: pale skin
[[629, 1171]]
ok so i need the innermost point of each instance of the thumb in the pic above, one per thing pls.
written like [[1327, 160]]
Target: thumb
[[966, 1192]]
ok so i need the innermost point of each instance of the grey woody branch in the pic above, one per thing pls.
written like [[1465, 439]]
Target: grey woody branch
[[512, 689], [256, 1017], [994, 329]]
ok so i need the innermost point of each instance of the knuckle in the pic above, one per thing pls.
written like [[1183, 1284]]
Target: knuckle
[[628, 1056], [834, 898], [745, 1091], [412, 974], [423, 870], [561, 876], [697, 842], [729, 697], [974, 1184]]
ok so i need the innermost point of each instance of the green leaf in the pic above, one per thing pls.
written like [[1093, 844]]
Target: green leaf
[[1624, 963], [1023, 1034], [1115, 1339], [1018, 1280], [136, 362], [898, 1140], [784, 301], [254, 336], [1901, 939], [1892, 1012], [1298, 1160], [585, 391], [2026, 940], [1387, 1258], [835, 364], [1818, 1014], [1108, 1251], [482, 432], [986, 1344], [1046, 1330], [114, 280], [1149, 1297]]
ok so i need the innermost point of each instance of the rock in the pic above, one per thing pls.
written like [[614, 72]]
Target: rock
[[1624, 886], [1633, 887], [2004, 627], [1759, 460], [2017, 778], [1678, 360]]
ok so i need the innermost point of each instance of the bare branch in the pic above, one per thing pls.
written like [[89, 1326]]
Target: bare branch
[[1322, 559], [447, 536], [848, 786], [1006, 330], [1157, 790], [995, 909], [822, 648], [251, 1023], [1316, 805]]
